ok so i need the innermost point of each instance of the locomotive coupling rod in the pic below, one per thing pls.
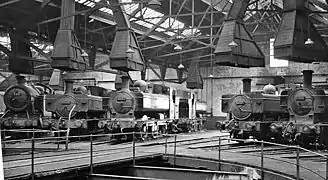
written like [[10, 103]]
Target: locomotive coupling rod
[[262, 160]]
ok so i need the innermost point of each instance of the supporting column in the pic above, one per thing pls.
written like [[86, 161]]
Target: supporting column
[[180, 75], [92, 57], [163, 69], [194, 79], [20, 52]]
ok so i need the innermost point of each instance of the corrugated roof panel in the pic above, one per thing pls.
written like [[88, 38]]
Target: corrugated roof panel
[[90, 4], [159, 29], [169, 33], [80, 1], [151, 15], [174, 24], [190, 31], [145, 24], [106, 10], [129, 8]]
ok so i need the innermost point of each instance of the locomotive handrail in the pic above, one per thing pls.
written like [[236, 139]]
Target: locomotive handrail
[[68, 125], [4, 114]]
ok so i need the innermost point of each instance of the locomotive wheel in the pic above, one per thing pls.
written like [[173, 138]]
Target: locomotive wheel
[[302, 140], [163, 130], [279, 139]]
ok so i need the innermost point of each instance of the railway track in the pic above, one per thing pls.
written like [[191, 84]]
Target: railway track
[[270, 151], [103, 147], [21, 151]]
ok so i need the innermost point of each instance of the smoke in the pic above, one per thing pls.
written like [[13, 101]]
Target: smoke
[[252, 173]]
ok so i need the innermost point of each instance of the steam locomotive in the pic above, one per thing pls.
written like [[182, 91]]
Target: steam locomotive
[[151, 108], [25, 106], [257, 114], [80, 110], [307, 108]]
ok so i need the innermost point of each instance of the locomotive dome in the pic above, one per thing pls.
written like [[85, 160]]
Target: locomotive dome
[[82, 89], [269, 89], [141, 84]]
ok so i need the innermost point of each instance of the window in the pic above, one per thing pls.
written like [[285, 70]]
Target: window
[[273, 61]]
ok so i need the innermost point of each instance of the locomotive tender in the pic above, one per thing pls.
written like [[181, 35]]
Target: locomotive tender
[[25, 106], [151, 108], [78, 111], [308, 113], [256, 114]]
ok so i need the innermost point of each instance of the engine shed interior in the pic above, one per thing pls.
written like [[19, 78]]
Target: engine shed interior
[[192, 74]]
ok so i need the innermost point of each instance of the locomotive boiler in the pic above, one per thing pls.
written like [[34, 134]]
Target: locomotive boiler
[[256, 114], [307, 107], [25, 106], [77, 111], [150, 108]]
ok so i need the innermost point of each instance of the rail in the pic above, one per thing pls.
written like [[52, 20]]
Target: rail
[[297, 164], [172, 139]]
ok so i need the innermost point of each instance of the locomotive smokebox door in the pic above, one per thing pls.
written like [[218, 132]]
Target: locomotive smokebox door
[[126, 54]]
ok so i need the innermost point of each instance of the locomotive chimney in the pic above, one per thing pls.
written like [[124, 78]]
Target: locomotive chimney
[[69, 86], [307, 78], [247, 85], [20, 80], [125, 82]]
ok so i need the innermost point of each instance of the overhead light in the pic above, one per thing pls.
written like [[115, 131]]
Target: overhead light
[[309, 42], [181, 66], [84, 54], [129, 50], [211, 76], [233, 44], [177, 48], [91, 20], [154, 4]]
